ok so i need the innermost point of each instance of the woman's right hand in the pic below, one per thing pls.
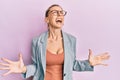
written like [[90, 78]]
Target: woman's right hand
[[13, 66]]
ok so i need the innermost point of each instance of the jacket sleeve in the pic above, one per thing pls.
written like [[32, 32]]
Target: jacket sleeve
[[80, 65], [31, 69]]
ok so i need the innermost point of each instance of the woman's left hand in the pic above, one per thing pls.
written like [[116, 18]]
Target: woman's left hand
[[98, 59]]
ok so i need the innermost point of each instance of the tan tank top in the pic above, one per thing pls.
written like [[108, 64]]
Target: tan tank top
[[54, 66]]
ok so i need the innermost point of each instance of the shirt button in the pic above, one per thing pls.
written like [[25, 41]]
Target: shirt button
[[64, 74]]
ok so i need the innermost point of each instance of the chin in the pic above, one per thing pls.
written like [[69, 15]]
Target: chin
[[58, 26]]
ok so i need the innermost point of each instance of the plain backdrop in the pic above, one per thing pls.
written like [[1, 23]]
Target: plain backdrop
[[95, 24]]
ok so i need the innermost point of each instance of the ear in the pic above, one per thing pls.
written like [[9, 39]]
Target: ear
[[46, 20]]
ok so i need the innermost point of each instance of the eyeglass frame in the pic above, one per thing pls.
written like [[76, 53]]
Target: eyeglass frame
[[58, 12]]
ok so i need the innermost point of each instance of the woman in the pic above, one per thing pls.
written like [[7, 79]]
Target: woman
[[54, 53]]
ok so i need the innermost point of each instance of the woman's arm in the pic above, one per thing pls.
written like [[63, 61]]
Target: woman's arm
[[18, 66], [88, 65], [13, 66]]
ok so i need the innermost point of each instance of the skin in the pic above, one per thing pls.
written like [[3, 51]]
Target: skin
[[54, 44]]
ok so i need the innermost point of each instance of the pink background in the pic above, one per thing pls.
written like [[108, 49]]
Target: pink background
[[95, 23]]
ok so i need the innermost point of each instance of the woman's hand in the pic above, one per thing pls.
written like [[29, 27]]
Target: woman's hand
[[13, 66], [98, 59]]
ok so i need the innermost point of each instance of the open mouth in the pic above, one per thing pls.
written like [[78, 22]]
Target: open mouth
[[58, 21]]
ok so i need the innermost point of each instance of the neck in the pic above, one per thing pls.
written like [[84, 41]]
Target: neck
[[54, 33]]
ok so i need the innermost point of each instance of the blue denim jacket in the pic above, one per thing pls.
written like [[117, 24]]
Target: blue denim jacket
[[38, 68]]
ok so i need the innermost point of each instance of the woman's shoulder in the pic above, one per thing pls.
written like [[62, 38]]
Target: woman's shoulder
[[42, 35], [69, 35]]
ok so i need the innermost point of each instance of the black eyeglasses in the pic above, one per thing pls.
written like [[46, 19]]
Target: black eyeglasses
[[56, 12]]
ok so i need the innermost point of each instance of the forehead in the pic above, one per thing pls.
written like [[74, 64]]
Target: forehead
[[56, 8]]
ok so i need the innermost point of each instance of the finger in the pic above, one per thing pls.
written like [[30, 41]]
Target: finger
[[5, 68], [6, 60], [105, 58], [3, 64], [104, 54], [20, 57], [90, 52], [9, 72]]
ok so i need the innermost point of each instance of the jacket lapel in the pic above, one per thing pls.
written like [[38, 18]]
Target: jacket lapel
[[66, 52], [42, 51]]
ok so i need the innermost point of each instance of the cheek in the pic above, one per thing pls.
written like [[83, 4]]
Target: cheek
[[52, 19], [51, 22]]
